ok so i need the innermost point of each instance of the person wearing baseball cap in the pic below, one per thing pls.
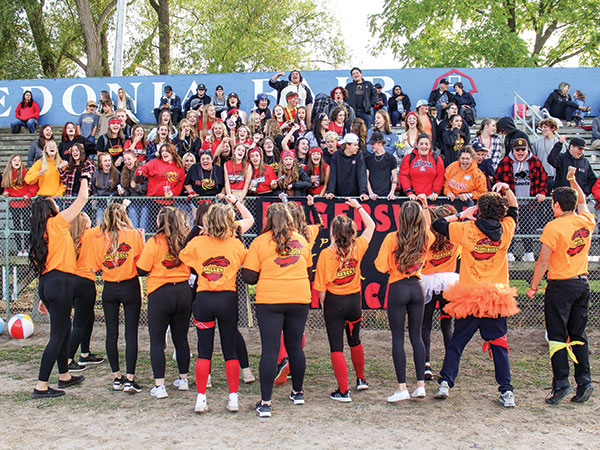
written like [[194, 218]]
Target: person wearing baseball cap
[[441, 97], [198, 100], [561, 161], [382, 169], [484, 162], [261, 107], [348, 174], [172, 102]]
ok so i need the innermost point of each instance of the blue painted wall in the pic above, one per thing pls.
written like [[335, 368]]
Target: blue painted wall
[[63, 99]]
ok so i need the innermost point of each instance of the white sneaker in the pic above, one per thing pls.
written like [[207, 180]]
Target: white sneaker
[[399, 396], [233, 404], [507, 399], [443, 391], [529, 257], [419, 392], [181, 384], [201, 405], [247, 375], [511, 257], [208, 382], [159, 391]]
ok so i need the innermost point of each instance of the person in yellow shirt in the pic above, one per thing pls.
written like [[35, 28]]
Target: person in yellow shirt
[[566, 242], [45, 174]]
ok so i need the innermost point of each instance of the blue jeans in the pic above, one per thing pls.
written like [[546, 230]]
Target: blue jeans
[[15, 127], [366, 117], [395, 117], [138, 213]]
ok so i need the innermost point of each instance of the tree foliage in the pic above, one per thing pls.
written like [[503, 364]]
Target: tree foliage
[[506, 33]]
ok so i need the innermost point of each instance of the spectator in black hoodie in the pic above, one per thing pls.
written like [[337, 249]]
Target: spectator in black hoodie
[[507, 127], [196, 101], [348, 172], [560, 104], [398, 105], [585, 175]]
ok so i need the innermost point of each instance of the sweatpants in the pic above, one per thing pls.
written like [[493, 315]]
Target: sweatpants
[[84, 299]]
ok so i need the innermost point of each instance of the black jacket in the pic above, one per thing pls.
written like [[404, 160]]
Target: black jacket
[[369, 98], [554, 98], [348, 175], [507, 124], [195, 102], [435, 95], [585, 175], [441, 127], [393, 103]]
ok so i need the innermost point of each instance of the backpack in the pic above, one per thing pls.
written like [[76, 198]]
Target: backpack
[[322, 103]]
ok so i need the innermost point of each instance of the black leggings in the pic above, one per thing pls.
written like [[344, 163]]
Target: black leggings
[[56, 293], [170, 304], [242, 351], [211, 309], [406, 296], [272, 320], [342, 312], [445, 323], [114, 294], [84, 299]]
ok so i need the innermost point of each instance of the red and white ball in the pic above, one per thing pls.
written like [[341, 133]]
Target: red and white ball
[[20, 326]]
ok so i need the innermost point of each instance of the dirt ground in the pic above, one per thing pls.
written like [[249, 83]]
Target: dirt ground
[[92, 415]]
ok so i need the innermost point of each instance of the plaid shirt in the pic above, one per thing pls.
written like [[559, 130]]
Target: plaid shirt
[[68, 178], [537, 175], [495, 151]]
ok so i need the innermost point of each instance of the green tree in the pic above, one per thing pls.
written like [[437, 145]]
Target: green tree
[[467, 33]]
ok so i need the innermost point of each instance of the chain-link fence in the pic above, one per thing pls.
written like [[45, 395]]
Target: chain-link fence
[[19, 285]]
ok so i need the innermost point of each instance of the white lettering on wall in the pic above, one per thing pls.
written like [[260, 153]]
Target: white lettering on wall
[[6, 113], [387, 83], [67, 99], [158, 91], [46, 103], [342, 81], [259, 88]]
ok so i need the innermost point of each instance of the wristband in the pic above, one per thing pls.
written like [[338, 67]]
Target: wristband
[[457, 215], [359, 208], [533, 289]]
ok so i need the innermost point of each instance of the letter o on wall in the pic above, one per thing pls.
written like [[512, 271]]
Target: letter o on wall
[[67, 99]]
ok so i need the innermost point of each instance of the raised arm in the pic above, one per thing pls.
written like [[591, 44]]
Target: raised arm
[[581, 204], [247, 218], [71, 212], [366, 218]]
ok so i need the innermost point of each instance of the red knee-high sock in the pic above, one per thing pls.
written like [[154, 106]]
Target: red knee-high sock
[[232, 370], [358, 360], [303, 340], [282, 350], [340, 370], [202, 372]]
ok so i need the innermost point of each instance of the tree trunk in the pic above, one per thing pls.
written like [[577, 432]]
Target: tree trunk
[[164, 35], [512, 18], [33, 8], [91, 38]]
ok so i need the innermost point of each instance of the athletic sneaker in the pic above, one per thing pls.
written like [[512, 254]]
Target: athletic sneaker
[[75, 379], [428, 372], [208, 381], [507, 399], [182, 384], [247, 375], [361, 384], [131, 387], [399, 396], [263, 409], [50, 393], [75, 368], [159, 391], [201, 405], [90, 359], [283, 370], [556, 395], [419, 392], [338, 396], [118, 383], [528, 257], [233, 404], [583, 393], [443, 391], [297, 397]]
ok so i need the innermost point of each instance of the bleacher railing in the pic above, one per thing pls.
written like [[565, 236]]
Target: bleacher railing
[[521, 118]]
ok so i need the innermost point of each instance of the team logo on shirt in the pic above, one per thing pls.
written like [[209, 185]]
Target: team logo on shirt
[[441, 257], [207, 183], [214, 268], [346, 273], [578, 241], [112, 261], [170, 262], [116, 150], [172, 177], [291, 257], [485, 249]]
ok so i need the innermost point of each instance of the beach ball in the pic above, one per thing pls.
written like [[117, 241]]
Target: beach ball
[[20, 326], [1, 325]]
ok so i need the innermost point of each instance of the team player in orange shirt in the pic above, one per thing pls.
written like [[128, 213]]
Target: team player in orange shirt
[[402, 255], [169, 297], [116, 248], [52, 255], [216, 256], [482, 298], [338, 282], [566, 242], [277, 262]]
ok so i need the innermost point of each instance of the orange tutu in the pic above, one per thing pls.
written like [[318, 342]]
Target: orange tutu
[[481, 300]]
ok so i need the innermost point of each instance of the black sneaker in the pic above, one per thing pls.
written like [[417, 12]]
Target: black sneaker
[[283, 370], [557, 395], [118, 383], [131, 387], [428, 372], [263, 409], [297, 397], [75, 368], [75, 379], [583, 393], [90, 360], [361, 384], [49, 393], [341, 397]]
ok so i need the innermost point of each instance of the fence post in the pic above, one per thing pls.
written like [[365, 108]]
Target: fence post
[[6, 264]]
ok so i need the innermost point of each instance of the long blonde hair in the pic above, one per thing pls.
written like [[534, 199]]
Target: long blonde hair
[[57, 158], [219, 221], [173, 228], [7, 178], [115, 221], [411, 235], [78, 226]]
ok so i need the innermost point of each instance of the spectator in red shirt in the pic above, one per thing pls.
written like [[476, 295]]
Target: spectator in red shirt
[[422, 171], [27, 114]]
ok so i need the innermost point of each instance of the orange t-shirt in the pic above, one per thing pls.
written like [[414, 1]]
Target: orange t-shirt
[[215, 261], [283, 278], [163, 267], [61, 250], [313, 232], [569, 237], [340, 279], [85, 255], [122, 266], [482, 260], [442, 261], [386, 260]]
